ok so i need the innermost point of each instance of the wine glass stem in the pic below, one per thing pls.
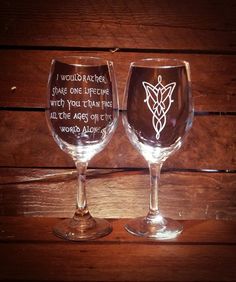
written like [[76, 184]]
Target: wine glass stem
[[81, 200], [155, 171]]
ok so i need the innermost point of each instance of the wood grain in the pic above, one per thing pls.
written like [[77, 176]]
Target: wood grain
[[128, 262], [206, 249], [24, 75], [26, 142], [38, 181], [200, 25], [117, 193]]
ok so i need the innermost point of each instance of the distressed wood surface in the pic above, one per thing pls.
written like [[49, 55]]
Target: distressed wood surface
[[206, 250], [26, 142], [127, 262], [38, 180], [24, 75], [117, 193], [199, 25]]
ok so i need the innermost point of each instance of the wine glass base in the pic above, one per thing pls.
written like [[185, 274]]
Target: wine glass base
[[74, 230], [159, 228]]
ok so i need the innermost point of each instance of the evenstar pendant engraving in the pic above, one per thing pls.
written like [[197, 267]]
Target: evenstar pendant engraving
[[159, 100]]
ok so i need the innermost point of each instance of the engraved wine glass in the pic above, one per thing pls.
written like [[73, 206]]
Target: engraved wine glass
[[157, 114], [82, 114]]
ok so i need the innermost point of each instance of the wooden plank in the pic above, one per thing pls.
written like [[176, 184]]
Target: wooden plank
[[24, 77], [117, 194], [115, 262], [201, 25], [205, 251], [21, 229], [26, 142]]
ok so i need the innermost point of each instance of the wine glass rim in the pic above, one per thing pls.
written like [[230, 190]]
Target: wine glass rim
[[82, 60], [159, 63]]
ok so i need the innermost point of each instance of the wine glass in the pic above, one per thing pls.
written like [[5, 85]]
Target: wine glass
[[82, 114], [157, 115]]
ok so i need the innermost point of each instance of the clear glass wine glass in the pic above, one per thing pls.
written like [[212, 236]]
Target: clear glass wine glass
[[82, 114], [157, 114]]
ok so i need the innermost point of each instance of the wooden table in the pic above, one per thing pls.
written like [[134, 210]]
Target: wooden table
[[37, 179], [206, 251]]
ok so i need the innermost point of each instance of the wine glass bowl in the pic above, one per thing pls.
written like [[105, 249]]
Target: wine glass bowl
[[82, 115], [157, 115]]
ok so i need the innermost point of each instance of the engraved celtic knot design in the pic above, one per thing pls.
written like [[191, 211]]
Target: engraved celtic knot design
[[159, 100]]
